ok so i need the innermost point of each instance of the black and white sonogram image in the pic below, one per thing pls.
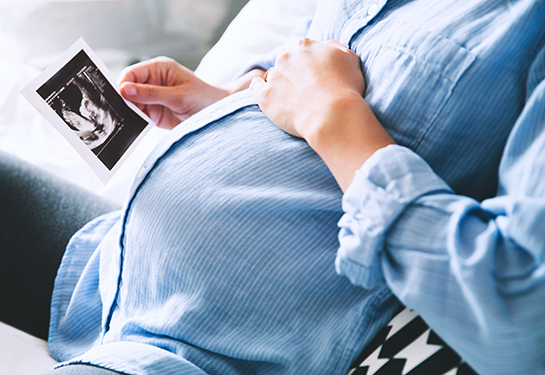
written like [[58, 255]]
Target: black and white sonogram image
[[88, 104]]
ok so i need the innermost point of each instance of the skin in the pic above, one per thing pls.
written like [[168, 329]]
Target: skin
[[314, 92], [169, 93]]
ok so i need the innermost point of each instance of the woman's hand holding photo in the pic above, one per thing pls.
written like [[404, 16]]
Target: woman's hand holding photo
[[170, 93]]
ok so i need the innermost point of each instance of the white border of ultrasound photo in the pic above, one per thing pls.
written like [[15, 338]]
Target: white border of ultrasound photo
[[30, 92]]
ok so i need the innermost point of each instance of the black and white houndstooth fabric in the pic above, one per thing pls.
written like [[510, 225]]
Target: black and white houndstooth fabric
[[407, 346]]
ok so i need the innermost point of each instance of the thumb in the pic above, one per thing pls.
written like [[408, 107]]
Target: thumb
[[145, 93]]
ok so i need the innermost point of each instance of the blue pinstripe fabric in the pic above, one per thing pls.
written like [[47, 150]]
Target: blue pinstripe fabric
[[475, 271], [222, 261]]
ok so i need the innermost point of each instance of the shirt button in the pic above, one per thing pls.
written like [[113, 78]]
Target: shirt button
[[141, 172], [373, 10]]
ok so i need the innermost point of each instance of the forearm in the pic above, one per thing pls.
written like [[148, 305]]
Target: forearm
[[345, 135], [454, 260]]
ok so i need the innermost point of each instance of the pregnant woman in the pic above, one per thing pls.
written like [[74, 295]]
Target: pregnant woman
[[225, 259]]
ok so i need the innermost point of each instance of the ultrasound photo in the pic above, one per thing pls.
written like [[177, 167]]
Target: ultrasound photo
[[88, 104]]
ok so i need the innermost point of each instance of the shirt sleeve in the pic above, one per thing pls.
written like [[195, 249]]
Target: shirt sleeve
[[475, 271]]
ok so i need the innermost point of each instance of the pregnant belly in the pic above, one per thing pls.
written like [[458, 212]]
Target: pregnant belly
[[234, 235]]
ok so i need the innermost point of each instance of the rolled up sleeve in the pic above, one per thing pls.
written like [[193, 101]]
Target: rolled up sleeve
[[382, 189], [474, 271]]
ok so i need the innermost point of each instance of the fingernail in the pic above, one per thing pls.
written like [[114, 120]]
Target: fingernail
[[130, 90]]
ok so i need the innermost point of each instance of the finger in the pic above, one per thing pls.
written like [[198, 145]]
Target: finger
[[148, 94], [144, 72], [256, 86], [137, 73]]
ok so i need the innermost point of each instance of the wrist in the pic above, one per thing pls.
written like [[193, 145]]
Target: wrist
[[346, 136]]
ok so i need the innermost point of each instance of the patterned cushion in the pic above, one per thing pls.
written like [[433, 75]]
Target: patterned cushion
[[407, 346]]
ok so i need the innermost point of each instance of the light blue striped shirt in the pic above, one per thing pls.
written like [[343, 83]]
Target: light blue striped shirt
[[224, 259]]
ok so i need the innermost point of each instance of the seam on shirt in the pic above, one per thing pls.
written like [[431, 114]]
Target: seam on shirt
[[106, 326]]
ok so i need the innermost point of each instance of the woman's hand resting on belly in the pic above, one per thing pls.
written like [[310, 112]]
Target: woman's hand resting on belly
[[315, 91], [169, 93]]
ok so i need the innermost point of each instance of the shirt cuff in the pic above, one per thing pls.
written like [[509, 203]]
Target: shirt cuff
[[387, 183]]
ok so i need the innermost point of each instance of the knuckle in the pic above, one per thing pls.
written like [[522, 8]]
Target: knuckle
[[162, 59], [283, 57], [304, 42]]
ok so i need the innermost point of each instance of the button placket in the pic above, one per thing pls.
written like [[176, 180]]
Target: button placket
[[361, 20]]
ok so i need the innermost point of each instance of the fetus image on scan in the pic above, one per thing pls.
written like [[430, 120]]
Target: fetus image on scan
[[87, 113]]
